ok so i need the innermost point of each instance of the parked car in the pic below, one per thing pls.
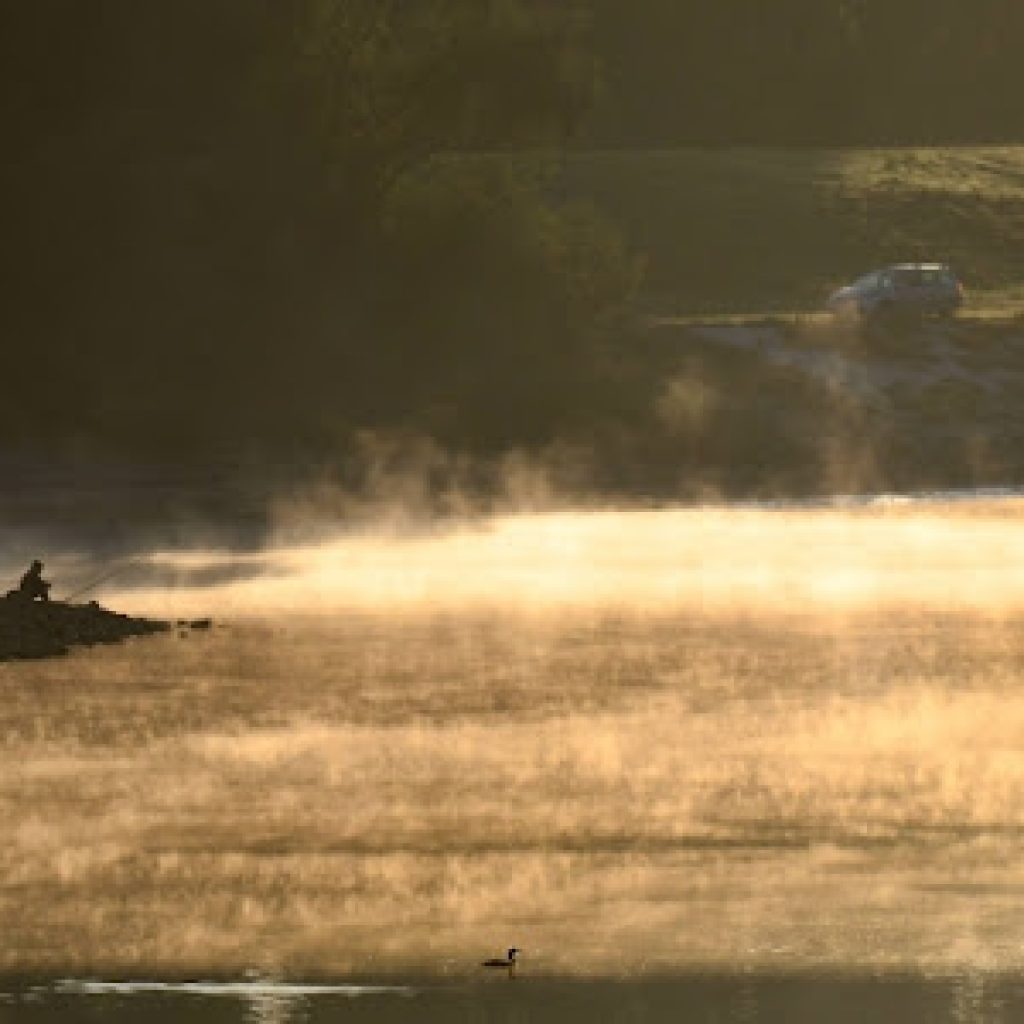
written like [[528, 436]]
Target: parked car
[[903, 290]]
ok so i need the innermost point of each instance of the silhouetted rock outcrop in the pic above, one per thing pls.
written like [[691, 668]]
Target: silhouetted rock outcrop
[[42, 629]]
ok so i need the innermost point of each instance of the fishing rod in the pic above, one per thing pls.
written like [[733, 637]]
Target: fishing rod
[[102, 578], [205, 623]]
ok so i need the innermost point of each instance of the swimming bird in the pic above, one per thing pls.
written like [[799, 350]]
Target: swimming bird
[[509, 963]]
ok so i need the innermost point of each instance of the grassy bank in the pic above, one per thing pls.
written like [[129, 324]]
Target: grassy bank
[[788, 407], [742, 230]]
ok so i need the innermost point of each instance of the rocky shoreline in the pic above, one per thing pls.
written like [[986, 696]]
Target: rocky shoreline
[[46, 629]]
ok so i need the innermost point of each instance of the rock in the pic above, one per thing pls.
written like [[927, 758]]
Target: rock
[[42, 629]]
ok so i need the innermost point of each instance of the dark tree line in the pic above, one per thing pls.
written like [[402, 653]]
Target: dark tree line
[[233, 223], [847, 72], [254, 222]]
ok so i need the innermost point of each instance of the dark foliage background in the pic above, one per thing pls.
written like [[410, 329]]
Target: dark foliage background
[[237, 229], [250, 224], [836, 72]]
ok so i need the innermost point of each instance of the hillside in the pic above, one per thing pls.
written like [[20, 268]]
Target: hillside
[[758, 236], [784, 408], [746, 230]]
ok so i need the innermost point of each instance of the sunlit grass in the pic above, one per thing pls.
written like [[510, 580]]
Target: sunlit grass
[[748, 230]]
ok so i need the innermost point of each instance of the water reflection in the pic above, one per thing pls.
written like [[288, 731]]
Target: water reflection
[[974, 998], [266, 1008], [250, 1001], [977, 999], [744, 1006]]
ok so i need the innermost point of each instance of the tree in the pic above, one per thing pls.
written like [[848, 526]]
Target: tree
[[845, 72], [227, 210]]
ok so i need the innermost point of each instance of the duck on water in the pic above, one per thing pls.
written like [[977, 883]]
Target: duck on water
[[509, 962]]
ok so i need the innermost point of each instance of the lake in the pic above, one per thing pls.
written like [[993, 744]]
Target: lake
[[759, 764]]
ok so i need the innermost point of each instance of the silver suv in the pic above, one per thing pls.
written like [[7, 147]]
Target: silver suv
[[903, 290]]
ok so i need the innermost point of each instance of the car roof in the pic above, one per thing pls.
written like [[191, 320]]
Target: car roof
[[919, 266]]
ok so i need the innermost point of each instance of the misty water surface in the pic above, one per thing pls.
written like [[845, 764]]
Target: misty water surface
[[756, 743]]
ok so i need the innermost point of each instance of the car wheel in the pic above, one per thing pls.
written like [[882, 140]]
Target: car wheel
[[848, 312], [886, 313]]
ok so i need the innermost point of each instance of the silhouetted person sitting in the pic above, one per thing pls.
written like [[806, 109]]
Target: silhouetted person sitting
[[33, 587]]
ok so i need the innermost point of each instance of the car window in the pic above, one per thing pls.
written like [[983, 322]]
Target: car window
[[907, 277]]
